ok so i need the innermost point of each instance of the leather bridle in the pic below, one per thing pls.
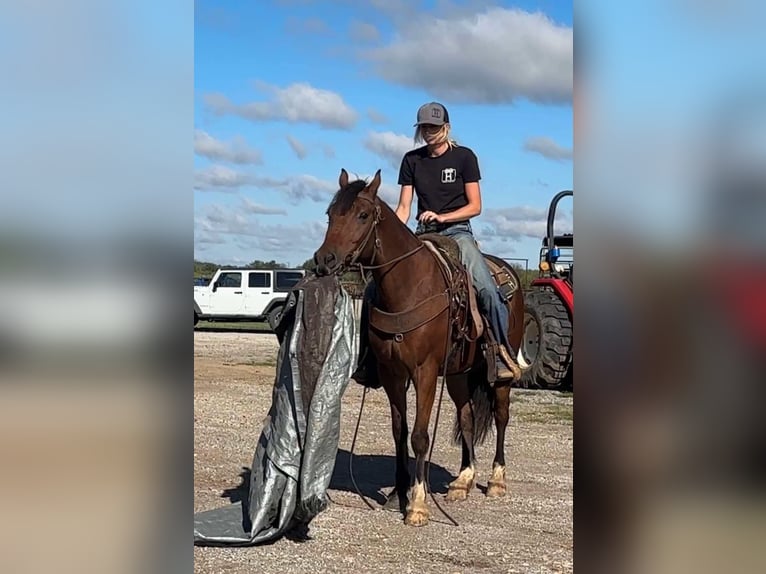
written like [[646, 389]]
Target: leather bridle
[[373, 230]]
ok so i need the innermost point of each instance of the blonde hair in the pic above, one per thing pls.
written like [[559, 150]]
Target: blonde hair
[[442, 136]]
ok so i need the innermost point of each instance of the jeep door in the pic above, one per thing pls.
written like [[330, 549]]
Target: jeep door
[[258, 292], [228, 297]]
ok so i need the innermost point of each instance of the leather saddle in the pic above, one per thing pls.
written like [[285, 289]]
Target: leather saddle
[[469, 322]]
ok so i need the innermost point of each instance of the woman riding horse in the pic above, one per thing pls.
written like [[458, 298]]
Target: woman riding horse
[[445, 177]]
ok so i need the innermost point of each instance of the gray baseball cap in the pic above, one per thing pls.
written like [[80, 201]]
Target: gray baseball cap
[[433, 113]]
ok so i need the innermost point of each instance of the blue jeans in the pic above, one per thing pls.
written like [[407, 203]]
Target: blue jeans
[[489, 297]]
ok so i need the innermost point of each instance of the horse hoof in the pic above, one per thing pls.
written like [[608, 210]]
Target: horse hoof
[[496, 489], [456, 493], [416, 518]]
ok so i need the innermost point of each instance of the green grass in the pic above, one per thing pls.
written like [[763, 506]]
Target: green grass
[[232, 326], [547, 414]]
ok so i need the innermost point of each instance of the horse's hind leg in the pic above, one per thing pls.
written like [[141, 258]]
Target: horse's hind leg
[[394, 385], [425, 389], [496, 484], [457, 386]]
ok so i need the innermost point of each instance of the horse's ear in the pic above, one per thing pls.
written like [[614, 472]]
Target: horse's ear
[[374, 184], [343, 179]]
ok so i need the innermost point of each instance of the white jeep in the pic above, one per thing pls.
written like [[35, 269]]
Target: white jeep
[[245, 294]]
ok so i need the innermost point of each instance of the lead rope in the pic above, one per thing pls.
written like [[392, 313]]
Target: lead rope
[[433, 440], [351, 461], [351, 454], [366, 389], [436, 421], [430, 453]]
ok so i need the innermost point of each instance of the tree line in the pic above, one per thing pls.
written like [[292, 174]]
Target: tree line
[[207, 269]]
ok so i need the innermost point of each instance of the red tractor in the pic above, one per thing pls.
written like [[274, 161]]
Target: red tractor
[[546, 350]]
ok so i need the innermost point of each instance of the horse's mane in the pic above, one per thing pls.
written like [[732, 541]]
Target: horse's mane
[[344, 198]]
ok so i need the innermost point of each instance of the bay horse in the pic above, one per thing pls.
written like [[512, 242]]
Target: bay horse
[[416, 294]]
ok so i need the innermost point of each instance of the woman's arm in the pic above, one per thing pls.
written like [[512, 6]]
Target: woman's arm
[[405, 204]]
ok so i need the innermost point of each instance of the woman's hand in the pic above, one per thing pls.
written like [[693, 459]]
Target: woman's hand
[[430, 216]]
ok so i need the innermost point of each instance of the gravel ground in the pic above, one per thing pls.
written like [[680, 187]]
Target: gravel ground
[[529, 530]]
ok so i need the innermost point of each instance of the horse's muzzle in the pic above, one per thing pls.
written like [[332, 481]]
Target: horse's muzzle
[[326, 264]]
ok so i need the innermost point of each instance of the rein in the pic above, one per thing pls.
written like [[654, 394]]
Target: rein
[[373, 230]]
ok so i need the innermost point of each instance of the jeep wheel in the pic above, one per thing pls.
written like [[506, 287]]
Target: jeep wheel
[[196, 318], [274, 316]]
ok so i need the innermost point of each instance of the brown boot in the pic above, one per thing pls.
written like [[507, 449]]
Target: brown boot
[[503, 373], [510, 369], [360, 375], [366, 373]]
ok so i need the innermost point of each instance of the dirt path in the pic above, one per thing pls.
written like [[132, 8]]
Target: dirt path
[[530, 530]]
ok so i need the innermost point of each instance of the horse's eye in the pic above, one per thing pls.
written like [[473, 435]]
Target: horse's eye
[[364, 215]]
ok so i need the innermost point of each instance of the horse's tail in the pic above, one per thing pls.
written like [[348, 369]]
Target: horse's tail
[[483, 406]]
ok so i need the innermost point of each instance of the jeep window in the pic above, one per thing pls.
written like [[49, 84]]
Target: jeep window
[[287, 279], [260, 280], [230, 280]]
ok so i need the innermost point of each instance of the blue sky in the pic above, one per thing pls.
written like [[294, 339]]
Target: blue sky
[[288, 92]]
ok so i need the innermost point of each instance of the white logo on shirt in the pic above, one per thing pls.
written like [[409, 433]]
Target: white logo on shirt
[[449, 175]]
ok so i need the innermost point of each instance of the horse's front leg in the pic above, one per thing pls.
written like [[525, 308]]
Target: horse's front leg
[[425, 389], [395, 387]]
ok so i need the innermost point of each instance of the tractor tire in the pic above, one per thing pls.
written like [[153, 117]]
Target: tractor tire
[[546, 348]]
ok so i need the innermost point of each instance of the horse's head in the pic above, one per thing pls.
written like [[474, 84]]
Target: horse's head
[[353, 215]]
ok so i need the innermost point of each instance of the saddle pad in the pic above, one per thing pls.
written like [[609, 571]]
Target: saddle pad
[[446, 244]]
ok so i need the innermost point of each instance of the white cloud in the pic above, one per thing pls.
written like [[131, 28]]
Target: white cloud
[[297, 147], [295, 188], [220, 178], [363, 32], [300, 187], [389, 193], [546, 147], [256, 208], [514, 223], [219, 224], [235, 151], [389, 146], [297, 103], [496, 56], [208, 238]]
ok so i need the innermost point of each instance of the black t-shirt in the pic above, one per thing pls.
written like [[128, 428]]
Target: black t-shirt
[[439, 181]]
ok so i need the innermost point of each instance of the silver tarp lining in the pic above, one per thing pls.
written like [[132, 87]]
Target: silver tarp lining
[[295, 454]]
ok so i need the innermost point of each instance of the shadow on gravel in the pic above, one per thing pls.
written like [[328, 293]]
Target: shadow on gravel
[[374, 475]]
